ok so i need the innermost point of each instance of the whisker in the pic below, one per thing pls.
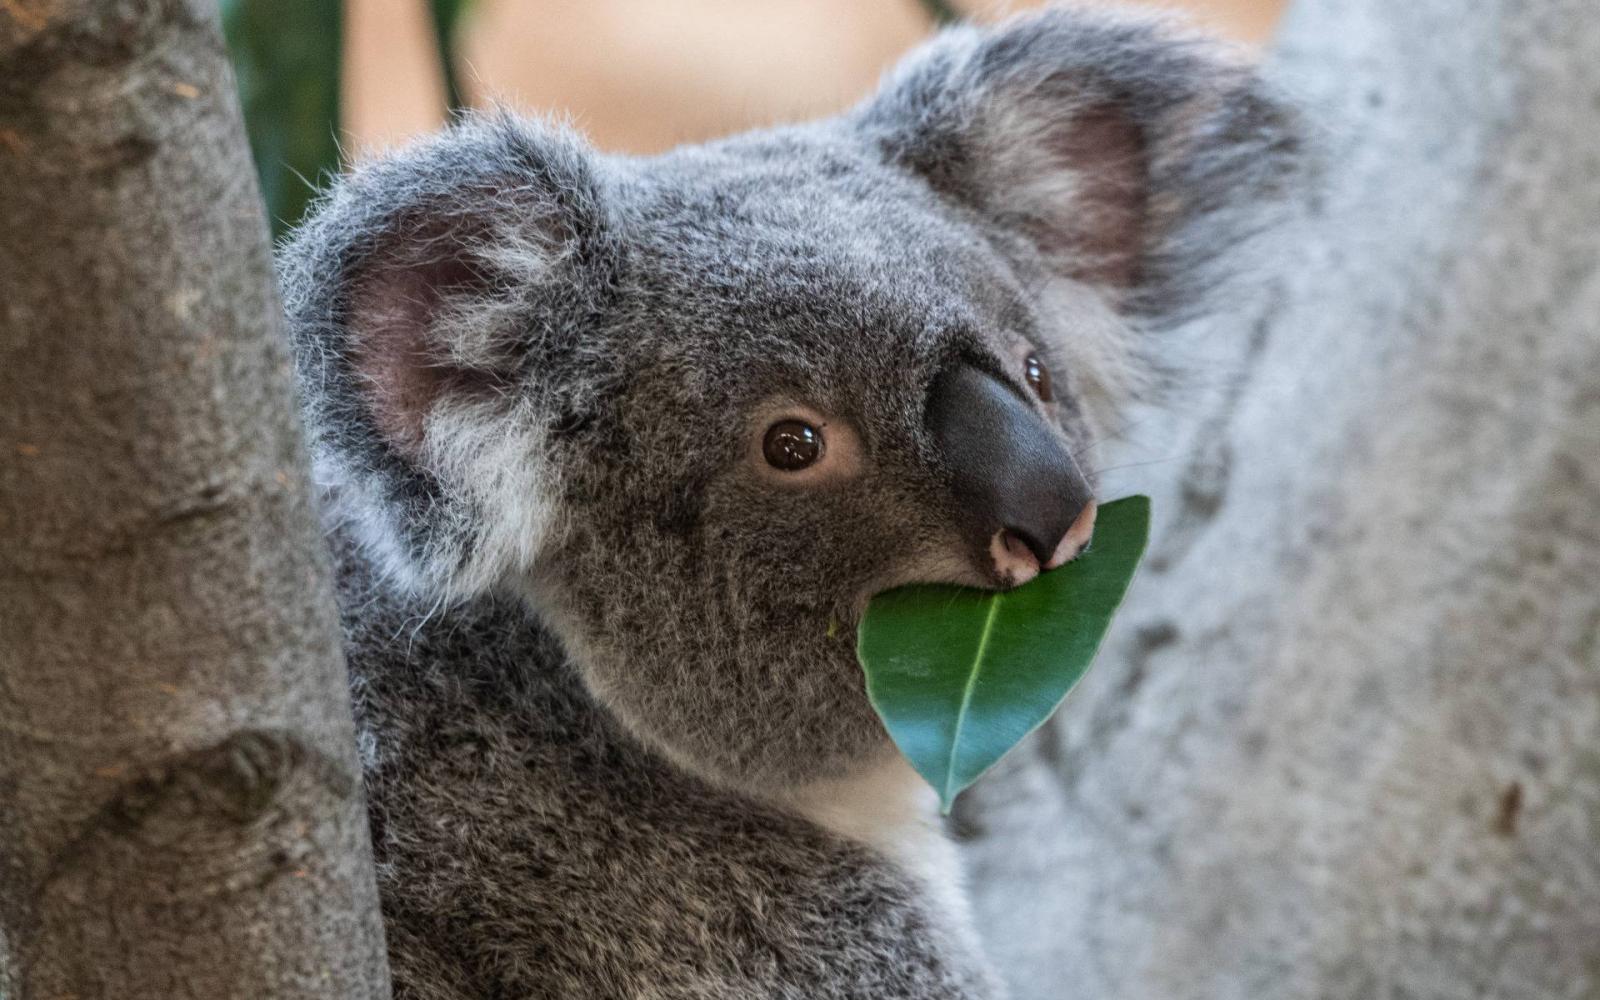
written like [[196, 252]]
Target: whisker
[[1136, 465]]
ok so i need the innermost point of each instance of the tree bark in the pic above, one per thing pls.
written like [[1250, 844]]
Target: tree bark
[[180, 807], [1346, 740]]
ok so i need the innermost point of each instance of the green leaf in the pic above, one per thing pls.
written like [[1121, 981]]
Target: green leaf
[[286, 57], [959, 676]]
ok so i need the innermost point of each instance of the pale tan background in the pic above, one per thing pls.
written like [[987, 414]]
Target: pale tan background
[[642, 75]]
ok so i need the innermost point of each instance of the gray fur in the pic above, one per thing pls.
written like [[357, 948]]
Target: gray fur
[[593, 651]]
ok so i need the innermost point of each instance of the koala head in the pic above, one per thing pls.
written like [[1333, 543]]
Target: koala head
[[697, 408]]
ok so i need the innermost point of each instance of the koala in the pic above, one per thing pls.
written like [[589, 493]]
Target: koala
[[616, 449]]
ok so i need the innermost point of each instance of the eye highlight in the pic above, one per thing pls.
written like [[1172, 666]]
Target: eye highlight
[[1038, 377], [792, 445]]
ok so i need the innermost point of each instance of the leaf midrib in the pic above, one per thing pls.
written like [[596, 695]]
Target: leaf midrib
[[966, 697]]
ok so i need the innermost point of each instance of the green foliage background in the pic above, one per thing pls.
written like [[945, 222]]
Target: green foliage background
[[288, 58]]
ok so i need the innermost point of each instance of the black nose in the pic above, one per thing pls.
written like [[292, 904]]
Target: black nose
[[1008, 470]]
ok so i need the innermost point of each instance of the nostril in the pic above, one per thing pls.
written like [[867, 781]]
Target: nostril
[[1014, 561], [1053, 531], [1016, 547], [1030, 542]]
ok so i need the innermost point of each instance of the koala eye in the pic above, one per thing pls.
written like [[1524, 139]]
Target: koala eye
[[792, 445], [1038, 377]]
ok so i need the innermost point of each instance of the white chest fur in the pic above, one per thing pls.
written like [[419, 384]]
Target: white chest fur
[[888, 807]]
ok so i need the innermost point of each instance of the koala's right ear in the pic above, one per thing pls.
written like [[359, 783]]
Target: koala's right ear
[[430, 297], [1126, 151]]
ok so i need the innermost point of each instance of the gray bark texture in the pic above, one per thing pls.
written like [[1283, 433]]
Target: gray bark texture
[[1345, 742], [180, 811]]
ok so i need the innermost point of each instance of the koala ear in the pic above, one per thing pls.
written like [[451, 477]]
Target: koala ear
[[430, 298], [1125, 152]]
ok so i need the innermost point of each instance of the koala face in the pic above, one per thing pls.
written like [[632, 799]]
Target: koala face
[[698, 408], [771, 454]]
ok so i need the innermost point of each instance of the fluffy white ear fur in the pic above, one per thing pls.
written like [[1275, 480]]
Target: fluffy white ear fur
[[494, 508], [437, 381], [493, 454], [443, 325]]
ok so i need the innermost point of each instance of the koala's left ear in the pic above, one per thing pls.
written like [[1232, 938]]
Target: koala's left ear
[[1127, 153], [438, 300]]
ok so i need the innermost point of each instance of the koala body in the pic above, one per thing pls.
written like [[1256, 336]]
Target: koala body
[[616, 450]]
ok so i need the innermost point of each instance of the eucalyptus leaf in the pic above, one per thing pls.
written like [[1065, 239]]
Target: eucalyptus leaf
[[959, 676]]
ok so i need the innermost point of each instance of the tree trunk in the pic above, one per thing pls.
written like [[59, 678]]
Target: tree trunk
[[1346, 742], [180, 809]]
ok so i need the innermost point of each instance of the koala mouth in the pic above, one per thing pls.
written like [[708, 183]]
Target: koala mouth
[[1015, 562], [1012, 562]]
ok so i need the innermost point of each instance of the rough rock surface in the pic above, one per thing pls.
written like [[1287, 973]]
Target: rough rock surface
[[1345, 741]]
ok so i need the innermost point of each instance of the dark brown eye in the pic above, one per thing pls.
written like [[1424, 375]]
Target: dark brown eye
[[1039, 378], [792, 445]]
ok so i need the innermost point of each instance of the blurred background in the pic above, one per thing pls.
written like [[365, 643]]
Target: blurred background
[[644, 75], [635, 75]]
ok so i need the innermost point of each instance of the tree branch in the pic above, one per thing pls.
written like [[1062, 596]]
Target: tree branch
[[180, 811]]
